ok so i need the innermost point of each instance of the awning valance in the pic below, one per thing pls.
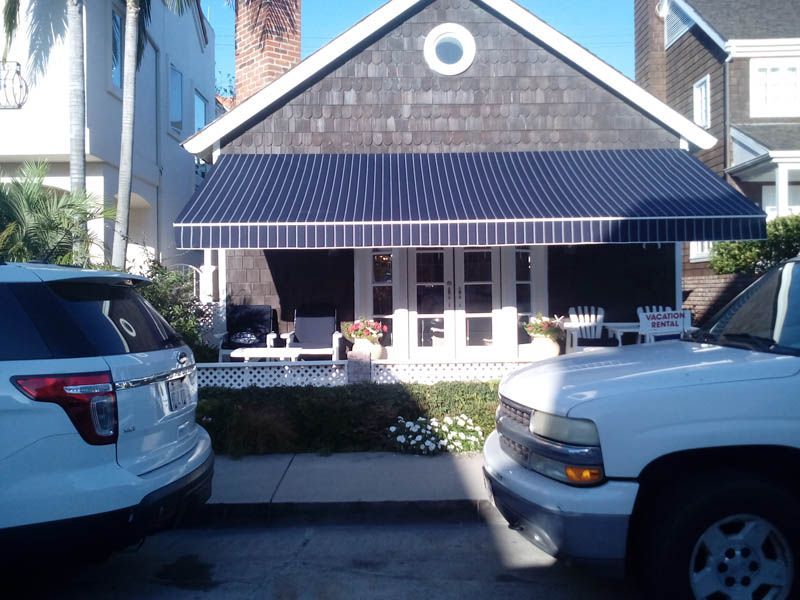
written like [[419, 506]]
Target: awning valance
[[286, 201]]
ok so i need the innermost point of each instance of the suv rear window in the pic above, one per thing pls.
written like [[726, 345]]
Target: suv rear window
[[78, 319]]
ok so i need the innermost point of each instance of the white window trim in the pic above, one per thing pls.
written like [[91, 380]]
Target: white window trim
[[700, 251], [759, 109], [702, 110], [464, 37]]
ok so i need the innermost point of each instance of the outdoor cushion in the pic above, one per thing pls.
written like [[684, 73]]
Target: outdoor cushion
[[314, 332]]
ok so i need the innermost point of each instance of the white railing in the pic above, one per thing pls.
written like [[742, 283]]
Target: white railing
[[434, 372], [324, 373], [327, 373]]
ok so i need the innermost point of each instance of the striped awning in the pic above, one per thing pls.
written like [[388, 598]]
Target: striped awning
[[463, 199]]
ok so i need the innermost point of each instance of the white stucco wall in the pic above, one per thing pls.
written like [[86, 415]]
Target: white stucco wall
[[164, 176]]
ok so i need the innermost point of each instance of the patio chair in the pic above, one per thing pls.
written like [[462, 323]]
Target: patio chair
[[248, 326], [585, 328], [315, 332]]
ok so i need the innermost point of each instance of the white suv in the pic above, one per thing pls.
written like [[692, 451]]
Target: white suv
[[98, 440], [679, 458]]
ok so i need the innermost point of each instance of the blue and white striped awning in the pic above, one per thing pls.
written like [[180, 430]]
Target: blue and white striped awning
[[467, 199]]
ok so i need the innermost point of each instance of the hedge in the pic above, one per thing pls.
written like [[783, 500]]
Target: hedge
[[349, 418]]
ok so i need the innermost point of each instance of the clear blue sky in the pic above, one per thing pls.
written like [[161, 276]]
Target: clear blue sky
[[605, 27]]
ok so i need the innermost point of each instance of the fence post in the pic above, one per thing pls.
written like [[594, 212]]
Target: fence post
[[359, 367]]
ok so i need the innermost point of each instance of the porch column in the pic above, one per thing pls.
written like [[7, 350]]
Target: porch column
[[222, 276], [207, 277], [782, 190]]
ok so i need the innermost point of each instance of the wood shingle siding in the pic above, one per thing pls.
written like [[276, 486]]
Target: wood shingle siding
[[517, 95], [690, 59]]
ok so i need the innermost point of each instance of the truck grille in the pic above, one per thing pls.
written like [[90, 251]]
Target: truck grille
[[515, 412], [516, 451]]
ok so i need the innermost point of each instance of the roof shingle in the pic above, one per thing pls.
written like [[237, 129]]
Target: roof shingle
[[751, 19]]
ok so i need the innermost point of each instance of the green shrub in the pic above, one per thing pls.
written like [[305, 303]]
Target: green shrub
[[782, 243], [172, 294], [349, 418]]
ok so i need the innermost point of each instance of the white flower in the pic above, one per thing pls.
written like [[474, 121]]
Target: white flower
[[413, 442], [448, 420], [392, 428], [462, 436], [401, 439], [418, 438], [445, 428], [415, 428], [409, 424], [461, 422]]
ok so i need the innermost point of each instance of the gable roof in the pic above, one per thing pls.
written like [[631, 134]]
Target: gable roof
[[783, 136], [275, 94], [750, 19]]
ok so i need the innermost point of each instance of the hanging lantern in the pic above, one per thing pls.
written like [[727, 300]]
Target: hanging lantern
[[13, 87]]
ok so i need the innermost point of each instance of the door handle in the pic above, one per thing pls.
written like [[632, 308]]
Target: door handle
[[449, 289]]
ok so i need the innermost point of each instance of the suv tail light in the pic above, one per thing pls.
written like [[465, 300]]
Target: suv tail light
[[88, 399]]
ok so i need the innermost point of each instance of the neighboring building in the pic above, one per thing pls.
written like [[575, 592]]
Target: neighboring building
[[451, 167], [733, 66], [174, 98]]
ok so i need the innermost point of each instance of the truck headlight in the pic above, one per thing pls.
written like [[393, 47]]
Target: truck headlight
[[577, 432]]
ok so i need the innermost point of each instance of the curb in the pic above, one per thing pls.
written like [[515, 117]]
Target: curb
[[340, 513]]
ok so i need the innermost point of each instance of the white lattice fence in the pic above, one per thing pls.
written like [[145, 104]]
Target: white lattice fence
[[273, 374], [387, 372]]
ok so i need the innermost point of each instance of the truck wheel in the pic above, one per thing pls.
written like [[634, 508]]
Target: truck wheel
[[731, 539]]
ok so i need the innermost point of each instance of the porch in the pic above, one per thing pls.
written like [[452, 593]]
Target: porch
[[454, 252]]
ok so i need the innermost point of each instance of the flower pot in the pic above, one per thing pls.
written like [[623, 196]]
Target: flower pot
[[375, 351], [540, 348]]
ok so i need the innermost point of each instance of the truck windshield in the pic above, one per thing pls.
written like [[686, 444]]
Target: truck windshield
[[765, 317]]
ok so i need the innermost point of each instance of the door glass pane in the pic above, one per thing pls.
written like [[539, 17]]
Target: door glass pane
[[430, 332], [430, 267], [478, 266], [430, 299], [523, 266], [524, 297], [479, 331], [478, 298], [382, 299], [382, 268]]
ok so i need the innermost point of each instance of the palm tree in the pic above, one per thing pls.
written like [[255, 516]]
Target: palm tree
[[137, 18], [77, 84], [38, 223]]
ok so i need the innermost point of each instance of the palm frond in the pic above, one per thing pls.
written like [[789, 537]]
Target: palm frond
[[10, 22], [41, 223]]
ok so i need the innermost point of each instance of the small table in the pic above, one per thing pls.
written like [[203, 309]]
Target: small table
[[617, 330], [248, 354]]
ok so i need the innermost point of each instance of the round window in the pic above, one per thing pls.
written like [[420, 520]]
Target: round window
[[449, 49]]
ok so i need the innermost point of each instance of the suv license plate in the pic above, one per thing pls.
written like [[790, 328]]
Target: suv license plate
[[179, 394]]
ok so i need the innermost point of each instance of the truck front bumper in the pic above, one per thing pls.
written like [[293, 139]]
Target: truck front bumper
[[588, 526]]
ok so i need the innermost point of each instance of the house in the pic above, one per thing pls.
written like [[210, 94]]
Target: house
[[733, 67], [449, 167], [174, 98]]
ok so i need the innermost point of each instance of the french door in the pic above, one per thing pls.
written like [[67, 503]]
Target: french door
[[454, 299]]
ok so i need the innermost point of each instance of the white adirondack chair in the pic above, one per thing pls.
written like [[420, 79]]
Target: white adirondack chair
[[585, 323], [649, 338]]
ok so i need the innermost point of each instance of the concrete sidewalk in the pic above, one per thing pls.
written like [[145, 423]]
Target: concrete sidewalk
[[360, 486]]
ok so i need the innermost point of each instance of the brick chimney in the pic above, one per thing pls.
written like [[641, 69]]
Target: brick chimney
[[651, 56], [267, 42]]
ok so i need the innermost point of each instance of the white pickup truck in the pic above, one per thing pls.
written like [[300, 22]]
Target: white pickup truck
[[678, 460]]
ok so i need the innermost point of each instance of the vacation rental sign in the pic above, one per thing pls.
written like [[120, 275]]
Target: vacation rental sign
[[666, 322]]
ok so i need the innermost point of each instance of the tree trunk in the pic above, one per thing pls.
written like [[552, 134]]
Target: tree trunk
[[77, 97], [126, 140]]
